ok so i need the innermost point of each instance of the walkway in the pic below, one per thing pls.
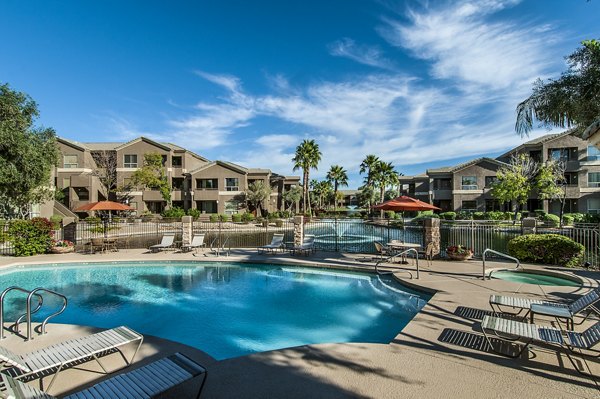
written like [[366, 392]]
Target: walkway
[[439, 354]]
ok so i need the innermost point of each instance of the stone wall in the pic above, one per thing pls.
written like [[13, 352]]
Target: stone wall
[[431, 233]]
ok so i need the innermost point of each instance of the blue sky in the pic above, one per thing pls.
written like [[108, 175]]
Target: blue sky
[[420, 84]]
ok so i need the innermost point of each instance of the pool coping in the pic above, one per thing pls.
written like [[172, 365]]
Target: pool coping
[[451, 283]]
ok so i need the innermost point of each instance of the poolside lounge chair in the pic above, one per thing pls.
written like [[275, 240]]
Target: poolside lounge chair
[[197, 242], [383, 250], [54, 358], [145, 382], [166, 242], [307, 246], [512, 330], [276, 243], [565, 311]]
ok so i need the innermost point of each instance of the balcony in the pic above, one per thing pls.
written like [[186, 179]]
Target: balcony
[[152, 195]]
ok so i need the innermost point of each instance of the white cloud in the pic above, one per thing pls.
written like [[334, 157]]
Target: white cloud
[[368, 55]]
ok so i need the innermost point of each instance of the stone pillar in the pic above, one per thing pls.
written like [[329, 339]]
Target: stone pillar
[[298, 230], [431, 233], [186, 230], [69, 229], [529, 226]]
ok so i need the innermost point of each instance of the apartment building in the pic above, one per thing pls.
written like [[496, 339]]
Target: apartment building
[[197, 183], [467, 187]]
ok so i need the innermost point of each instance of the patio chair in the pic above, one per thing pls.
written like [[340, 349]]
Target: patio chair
[[276, 243], [158, 377], [167, 242], [197, 242], [566, 311], [57, 357], [512, 330], [307, 246], [427, 253], [383, 251]]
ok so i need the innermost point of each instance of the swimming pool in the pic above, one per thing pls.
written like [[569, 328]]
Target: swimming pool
[[224, 309]]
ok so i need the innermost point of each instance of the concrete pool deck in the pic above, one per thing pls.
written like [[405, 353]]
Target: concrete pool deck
[[440, 353]]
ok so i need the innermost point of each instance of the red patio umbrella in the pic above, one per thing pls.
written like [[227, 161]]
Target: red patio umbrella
[[104, 206], [405, 203]]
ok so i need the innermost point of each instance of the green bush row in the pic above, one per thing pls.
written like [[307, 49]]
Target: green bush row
[[30, 237], [552, 249]]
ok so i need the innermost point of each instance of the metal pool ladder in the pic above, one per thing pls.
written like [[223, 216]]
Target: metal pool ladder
[[402, 270], [35, 293], [501, 255]]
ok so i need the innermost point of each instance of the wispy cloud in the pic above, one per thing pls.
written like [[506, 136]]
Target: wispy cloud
[[368, 55]]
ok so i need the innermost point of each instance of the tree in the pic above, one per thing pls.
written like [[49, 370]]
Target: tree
[[384, 175], [338, 177], [106, 171], [573, 100], [292, 196], [321, 190], [257, 193], [307, 157], [367, 166], [366, 196], [515, 181], [152, 175], [27, 155], [551, 183]]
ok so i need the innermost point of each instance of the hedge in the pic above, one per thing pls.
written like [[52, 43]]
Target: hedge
[[30, 237], [551, 249]]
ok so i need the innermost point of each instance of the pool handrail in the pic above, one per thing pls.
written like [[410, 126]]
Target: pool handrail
[[399, 254], [16, 325], [501, 255], [35, 292]]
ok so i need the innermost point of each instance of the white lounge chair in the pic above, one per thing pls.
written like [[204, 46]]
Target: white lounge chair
[[57, 357], [512, 330], [143, 383], [307, 246], [166, 242], [565, 311], [197, 242], [276, 243]]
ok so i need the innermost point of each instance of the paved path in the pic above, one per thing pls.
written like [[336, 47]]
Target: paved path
[[439, 354]]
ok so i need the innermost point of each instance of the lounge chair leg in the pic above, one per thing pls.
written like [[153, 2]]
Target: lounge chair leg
[[54, 378], [100, 363], [487, 338]]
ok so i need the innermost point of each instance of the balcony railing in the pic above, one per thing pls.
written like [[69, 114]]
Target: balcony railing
[[469, 187]]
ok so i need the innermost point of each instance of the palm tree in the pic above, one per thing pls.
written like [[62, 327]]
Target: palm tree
[[258, 192], [367, 166], [338, 176], [571, 100], [307, 157], [384, 175]]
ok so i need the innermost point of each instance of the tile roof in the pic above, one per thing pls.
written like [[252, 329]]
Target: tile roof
[[452, 169]]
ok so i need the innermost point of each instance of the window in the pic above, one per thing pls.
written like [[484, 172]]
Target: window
[[207, 184], [232, 184], [593, 153], [164, 160], [536, 155], [559, 154], [571, 179], [130, 161], [231, 207], [207, 206], [469, 206], [492, 205], [490, 181], [176, 162], [593, 205], [594, 179], [177, 183], [442, 184], [70, 161], [82, 193], [469, 182]]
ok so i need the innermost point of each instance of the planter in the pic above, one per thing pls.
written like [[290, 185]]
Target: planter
[[456, 256], [62, 250]]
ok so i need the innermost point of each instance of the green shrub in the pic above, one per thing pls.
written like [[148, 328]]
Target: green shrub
[[462, 215], [478, 216], [30, 237], [448, 215], [174, 213], [494, 215], [390, 214], [568, 220], [540, 213], [426, 215], [577, 217], [591, 218], [56, 221], [552, 220], [278, 223], [223, 218], [92, 219], [247, 217], [194, 213], [551, 249], [236, 218], [213, 217]]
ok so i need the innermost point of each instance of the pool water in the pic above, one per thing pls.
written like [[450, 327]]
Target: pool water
[[534, 278], [226, 309]]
